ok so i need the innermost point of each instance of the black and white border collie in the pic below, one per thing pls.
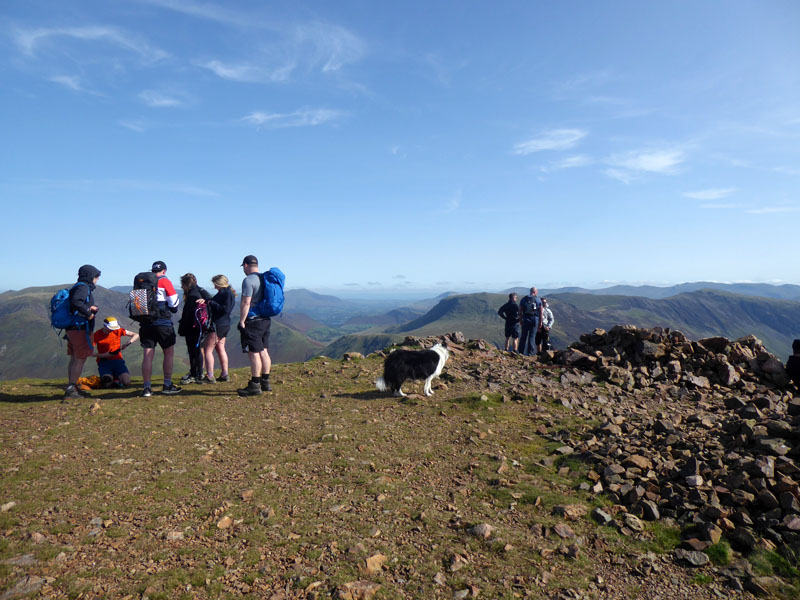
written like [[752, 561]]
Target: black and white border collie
[[401, 365]]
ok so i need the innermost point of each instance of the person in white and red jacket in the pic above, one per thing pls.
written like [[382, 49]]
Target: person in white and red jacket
[[160, 332]]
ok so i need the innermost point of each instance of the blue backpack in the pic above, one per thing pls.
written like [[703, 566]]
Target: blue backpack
[[271, 304], [61, 316]]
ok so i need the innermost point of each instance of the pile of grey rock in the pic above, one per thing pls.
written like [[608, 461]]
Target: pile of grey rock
[[635, 358]]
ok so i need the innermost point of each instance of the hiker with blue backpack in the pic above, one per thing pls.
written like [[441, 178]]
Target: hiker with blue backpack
[[262, 298], [193, 326], [80, 310]]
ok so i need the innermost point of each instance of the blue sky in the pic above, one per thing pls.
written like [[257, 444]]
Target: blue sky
[[404, 146]]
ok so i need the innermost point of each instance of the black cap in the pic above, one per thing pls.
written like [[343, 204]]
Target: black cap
[[159, 266], [249, 260]]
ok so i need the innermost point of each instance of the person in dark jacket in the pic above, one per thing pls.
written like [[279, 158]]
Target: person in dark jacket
[[793, 364], [510, 312], [79, 341], [188, 327], [220, 307]]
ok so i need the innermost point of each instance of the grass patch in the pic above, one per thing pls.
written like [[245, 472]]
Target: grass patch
[[664, 539], [702, 579], [719, 553], [767, 562]]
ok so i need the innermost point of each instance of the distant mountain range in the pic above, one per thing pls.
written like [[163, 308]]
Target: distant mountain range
[[30, 348], [763, 290]]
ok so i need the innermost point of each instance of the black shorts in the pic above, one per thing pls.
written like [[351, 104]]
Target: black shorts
[[163, 335], [512, 330], [255, 335], [222, 332]]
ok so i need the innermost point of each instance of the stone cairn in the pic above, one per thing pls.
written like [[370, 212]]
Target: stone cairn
[[723, 464], [640, 358]]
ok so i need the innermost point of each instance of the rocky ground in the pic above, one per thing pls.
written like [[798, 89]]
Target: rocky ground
[[517, 479]]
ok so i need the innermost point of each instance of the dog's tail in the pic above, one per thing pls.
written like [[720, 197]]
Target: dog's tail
[[381, 385]]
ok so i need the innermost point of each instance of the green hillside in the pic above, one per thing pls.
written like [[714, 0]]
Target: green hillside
[[698, 314], [364, 343]]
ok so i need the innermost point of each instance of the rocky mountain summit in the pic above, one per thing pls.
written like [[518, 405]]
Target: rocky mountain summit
[[518, 478], [725, 467]]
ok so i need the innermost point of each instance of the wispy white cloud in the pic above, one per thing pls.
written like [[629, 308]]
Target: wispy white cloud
[[787, 170], [299, 118], [625, 177], [770, 210], [157, 99], [658, 161], [720, 206], [247, 72], [137, 125], [711, 194], [570, 162], [555, 139], [30, 41], [588, 80], [208, 11], [312, 47], [629, 166], [73, 83], [332, 46]]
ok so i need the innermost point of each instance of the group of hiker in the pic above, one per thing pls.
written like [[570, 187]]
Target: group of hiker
[[204, 323], [528, 323]]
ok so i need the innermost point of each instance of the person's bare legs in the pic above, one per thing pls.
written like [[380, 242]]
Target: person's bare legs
[[208, 353], [223, 356], [74, 369], [147, 363], [169, 356], [255, 364], [266, 362]]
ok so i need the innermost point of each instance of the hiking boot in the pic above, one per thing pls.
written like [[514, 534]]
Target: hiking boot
[[223, 378], [253, 389], [208, 379], [171, 389], [147, 392], [188, 378], [71, 393], [84, 393], [265, 386]]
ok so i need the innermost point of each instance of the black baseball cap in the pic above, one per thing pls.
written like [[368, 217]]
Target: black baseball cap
[[158, 266], [249, 260]]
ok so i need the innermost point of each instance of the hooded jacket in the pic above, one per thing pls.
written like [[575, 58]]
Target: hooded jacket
[[81, 297], [190, 298]]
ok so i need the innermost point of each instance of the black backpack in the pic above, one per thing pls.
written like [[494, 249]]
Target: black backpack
[[143, 303], [528, 306]]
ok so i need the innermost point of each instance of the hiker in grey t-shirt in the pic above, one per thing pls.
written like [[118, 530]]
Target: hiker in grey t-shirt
[[254, 330]]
